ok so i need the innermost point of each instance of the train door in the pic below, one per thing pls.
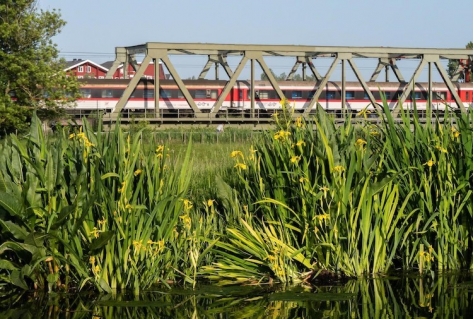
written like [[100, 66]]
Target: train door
[[239, 96], [234, 97]]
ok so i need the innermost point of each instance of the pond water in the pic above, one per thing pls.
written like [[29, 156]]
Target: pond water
[[446, 296]]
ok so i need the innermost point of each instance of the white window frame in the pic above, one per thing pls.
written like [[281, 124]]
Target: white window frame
[[89, 69], [80, 69]]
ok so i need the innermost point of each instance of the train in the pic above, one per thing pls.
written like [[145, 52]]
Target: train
[[103, 95]]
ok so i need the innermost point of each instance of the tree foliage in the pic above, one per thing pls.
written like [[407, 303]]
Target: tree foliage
[[283, 76], [454, 64], [32, 76]]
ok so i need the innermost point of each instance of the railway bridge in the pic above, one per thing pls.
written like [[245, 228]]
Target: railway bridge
[[387, 59]]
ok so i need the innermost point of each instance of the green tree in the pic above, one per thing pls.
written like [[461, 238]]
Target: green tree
[[309, 77], [454, 64], [264, 77], [283, 76], [32, 77]]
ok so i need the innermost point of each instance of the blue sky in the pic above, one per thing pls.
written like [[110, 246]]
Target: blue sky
[[95, 28]]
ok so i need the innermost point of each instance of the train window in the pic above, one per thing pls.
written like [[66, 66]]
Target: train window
[[212, 94], [86, 93], [377, 94], [264, 95], [311, 94], [107, 93], [296, 94], [366, 96], [350, 95], [147, 93], [417, 95], [200, 94], [137, 93], [257, 94], [388, 95], [118, 93], [330, 95], [180, 94], [165, 94]]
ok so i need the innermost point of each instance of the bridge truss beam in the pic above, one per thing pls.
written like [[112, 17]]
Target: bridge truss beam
[[218, 53]]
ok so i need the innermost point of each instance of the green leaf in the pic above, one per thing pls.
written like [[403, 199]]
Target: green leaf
[[62, 216], [101, 241], [52, 278], [18, 232], [8, 265], [10, 204], [109, 175], [105, 286], [17, 279], [3, 185]]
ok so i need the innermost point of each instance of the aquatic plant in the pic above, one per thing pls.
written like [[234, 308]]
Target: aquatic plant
[[350, 200]]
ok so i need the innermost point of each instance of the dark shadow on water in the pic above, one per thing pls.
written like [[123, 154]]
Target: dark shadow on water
[[446, 296]]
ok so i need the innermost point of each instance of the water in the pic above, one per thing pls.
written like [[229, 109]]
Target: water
[[447, 296]]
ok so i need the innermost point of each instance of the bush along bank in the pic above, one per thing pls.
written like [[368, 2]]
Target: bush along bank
[[104, 211]]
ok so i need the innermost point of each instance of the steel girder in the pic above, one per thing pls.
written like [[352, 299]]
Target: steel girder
[[303, 61], [216, 60], [217, 54], [387, 64]]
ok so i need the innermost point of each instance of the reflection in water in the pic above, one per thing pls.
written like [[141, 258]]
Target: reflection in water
[[441, 297]]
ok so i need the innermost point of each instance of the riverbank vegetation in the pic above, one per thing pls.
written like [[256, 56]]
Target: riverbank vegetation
[[299, 204], [33, 78]]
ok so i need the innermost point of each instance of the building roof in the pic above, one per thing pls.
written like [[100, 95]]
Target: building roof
[[108, 64], [78, 62]]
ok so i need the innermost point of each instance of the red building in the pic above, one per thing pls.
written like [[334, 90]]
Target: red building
[[86, 69], [149, 72]]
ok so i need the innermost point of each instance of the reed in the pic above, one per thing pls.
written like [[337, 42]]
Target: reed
[[352, 200], [120, 210], [98, 209]]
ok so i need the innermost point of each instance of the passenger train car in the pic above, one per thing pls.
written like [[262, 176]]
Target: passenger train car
[[103, 95]]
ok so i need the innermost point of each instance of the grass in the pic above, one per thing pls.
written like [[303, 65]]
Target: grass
[[210, 160]]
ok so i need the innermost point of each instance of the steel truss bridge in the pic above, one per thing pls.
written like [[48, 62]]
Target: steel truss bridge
[[345, 56]]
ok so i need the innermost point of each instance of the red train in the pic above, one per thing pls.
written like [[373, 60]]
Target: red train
[[104, 94]]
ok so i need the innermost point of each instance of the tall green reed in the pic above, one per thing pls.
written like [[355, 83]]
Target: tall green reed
[[356, 199], [98, 209]]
